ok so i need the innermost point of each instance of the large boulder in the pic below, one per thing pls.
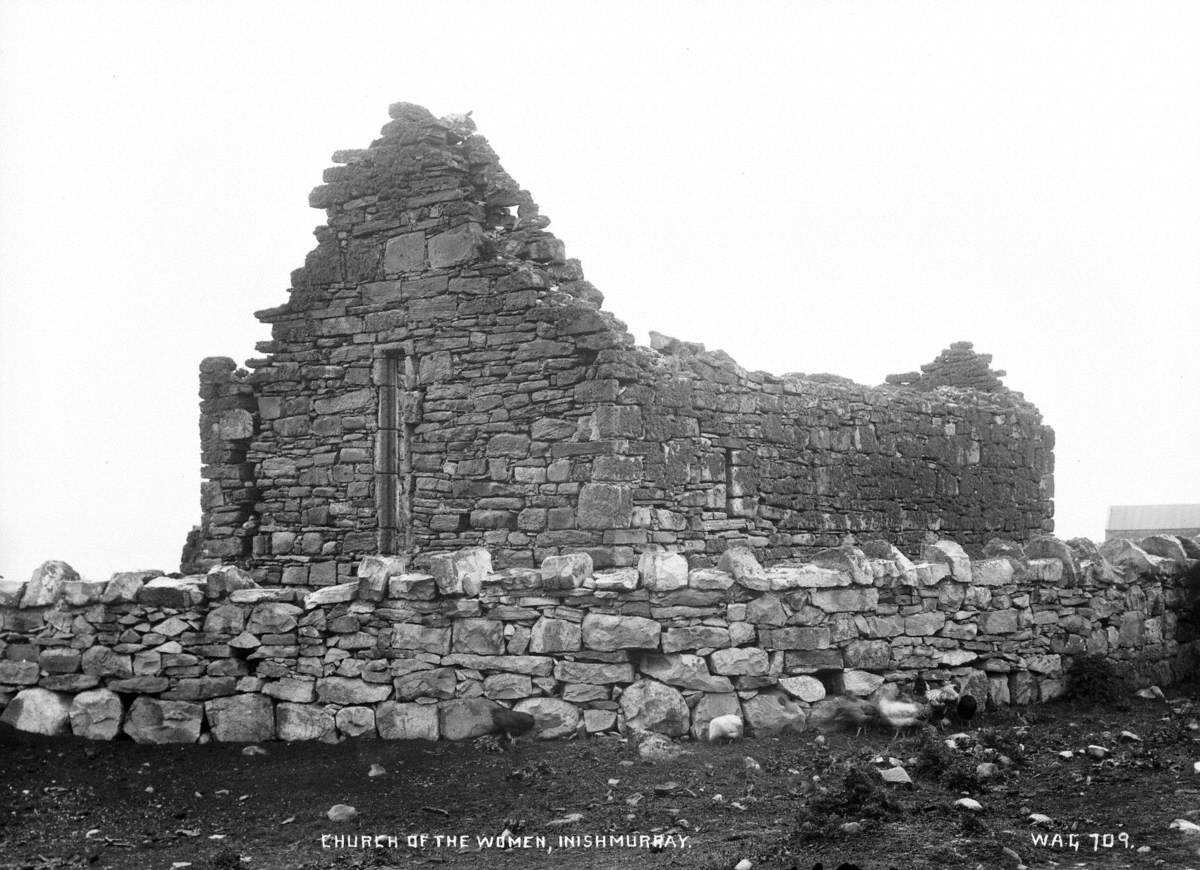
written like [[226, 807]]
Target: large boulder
[[45, 586], [304, 722], [773, 712], [552, 717], [246, 718], [153, 721], [407, 721], [709, 707], [97, 714], [356, 721], [39, 711], [465, 718], [649, 705]]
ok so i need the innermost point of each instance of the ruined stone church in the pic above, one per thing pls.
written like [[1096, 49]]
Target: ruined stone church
[[443, 376]]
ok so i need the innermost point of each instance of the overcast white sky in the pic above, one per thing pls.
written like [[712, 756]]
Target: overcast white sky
[[819, 187]]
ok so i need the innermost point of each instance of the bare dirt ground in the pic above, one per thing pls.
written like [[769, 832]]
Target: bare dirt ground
[[69, 803]]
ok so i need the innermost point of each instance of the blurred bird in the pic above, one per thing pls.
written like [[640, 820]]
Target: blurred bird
[[900, 713], [920, 687], [941, 701], [853, 712], [511, 722]]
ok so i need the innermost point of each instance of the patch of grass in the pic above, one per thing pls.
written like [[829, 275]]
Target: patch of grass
[[1093, 678], [861, 795], [1004, 742], [938, 762]]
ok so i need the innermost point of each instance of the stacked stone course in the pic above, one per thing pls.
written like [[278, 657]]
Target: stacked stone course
[[662, 646], [442, 376]]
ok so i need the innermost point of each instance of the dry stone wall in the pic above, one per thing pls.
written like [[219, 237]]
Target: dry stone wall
[[442, 376], [402, 654]]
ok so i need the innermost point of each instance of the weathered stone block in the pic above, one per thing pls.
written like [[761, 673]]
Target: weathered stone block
[[337, 594], [273, 617], [855, 599], [245, 718], [152, 721], [45, 585], [652, 706], [610, 633], [605, 506], [683, 671], [552, 717], [404, 253], [19, 673], [96, 714], [299, 690], [407, 721], [710, 579], [740, 661], [794, 638], [356, 722], [304, 722], [616, 580], [873, 654], [411, 635], [773, 712], [597, 674], [103, 662], [479, 636], [38, 711], [465, 718], [807, 689], [178, 593], [454, 247], [346, 690], [508, 687], [663, 572], [80, 593], [695, 637], [435, 683], [566, 572], [462, 572], [952, 555], [555, 635], [223, 579], [860, 683], [709, 707], [847, 560], [745, 568]]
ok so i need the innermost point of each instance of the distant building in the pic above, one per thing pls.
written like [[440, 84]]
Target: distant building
[[1139, 520]]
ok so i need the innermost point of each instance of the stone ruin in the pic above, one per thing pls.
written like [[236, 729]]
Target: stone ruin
[[454, 481], [442, 376]]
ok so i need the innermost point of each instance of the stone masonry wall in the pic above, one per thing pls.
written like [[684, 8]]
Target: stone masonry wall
[[659, 647], [442, 376]]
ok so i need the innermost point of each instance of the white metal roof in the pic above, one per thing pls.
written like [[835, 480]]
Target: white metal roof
[[1154, 516]]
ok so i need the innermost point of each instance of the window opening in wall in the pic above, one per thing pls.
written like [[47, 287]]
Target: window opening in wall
[[398, 409]]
